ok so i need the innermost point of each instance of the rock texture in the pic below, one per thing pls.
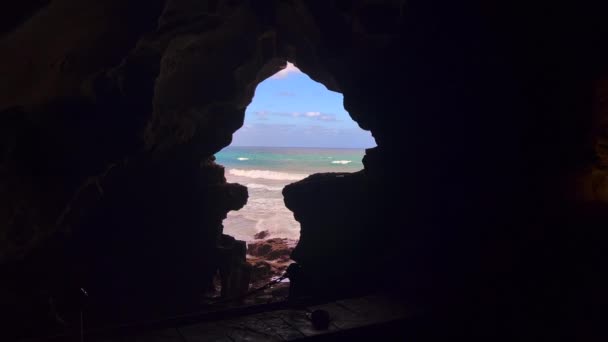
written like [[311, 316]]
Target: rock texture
[[271, 249], [269, 258], [338, 217], [484, 203], [261, 235]]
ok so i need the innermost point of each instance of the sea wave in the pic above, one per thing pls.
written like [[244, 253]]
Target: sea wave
[[265, 187], [242, 158], [343, 162], [266, 174]]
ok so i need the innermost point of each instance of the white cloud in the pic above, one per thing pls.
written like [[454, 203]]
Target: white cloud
[[289, 69], [315, 116], [313, 135], [262, 115], [327, 118]]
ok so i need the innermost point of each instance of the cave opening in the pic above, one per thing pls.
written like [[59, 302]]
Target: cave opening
[[293, 128]]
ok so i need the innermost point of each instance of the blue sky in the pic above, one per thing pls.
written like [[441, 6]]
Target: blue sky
[[291, 110]]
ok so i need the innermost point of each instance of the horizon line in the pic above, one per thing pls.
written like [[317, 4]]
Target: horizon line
[[319, 147]]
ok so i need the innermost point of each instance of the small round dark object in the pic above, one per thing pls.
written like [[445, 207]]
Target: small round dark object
[[320, 319]]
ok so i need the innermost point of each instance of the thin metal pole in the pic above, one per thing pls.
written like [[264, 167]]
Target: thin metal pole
[[83, 295]]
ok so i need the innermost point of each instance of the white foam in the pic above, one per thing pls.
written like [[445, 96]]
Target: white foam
[[265, 187], [242, 158], [266, 174], [343, 162]]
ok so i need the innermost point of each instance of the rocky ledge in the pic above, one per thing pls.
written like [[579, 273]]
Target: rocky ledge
[[269, 258]]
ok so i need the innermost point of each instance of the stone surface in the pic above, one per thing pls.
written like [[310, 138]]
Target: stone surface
[[269, 258], [261, 235], [271, 249], [294, 324]]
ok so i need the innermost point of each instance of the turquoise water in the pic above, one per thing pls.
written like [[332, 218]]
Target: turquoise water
[[265, 171], [307, 160]]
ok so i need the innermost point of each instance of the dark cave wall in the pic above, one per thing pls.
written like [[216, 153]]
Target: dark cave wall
[[88, 198], [486, 191]]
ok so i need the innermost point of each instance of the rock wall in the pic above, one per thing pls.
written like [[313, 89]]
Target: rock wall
[[486, 191]]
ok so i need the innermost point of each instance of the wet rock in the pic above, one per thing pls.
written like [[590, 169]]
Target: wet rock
[[261, 270], [261, 235], [269, 258], [270, 249]]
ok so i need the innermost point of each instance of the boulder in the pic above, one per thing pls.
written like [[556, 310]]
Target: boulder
[[261, 235], [271, 249]]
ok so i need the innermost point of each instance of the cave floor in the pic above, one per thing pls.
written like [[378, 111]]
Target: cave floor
[[369, 316]]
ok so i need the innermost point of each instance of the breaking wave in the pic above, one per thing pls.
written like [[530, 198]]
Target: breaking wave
[[343, 162], [265, 187], [265, 174]]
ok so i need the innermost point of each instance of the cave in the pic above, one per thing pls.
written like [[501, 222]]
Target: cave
[[293, 128], [482, 209]]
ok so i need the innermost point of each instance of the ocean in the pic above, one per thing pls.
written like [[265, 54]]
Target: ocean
[[265, 171]]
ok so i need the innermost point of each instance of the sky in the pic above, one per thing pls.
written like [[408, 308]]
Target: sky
[[291, 110]]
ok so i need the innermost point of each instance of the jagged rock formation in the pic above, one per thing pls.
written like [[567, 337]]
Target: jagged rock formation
[[269, 258], [487, 190]]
